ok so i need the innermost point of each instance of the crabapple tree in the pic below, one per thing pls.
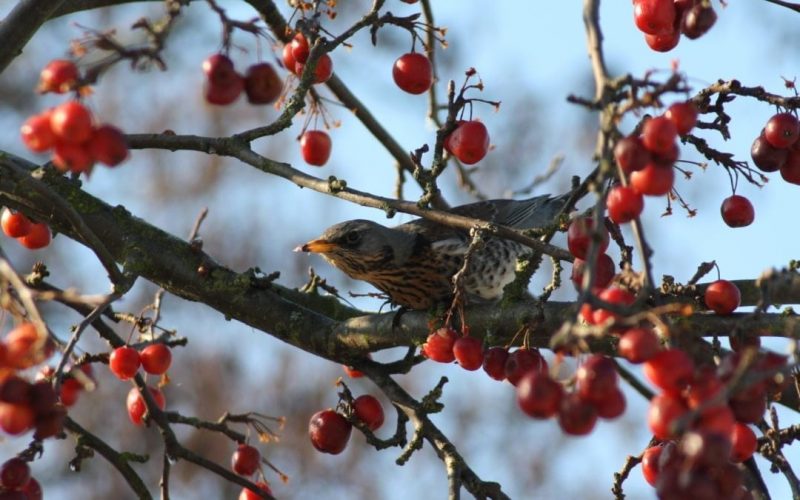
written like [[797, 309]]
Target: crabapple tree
[[129, 113]]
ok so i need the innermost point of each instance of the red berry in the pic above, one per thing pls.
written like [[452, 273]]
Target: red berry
[[72, 157], [603, 271], [413, 73], [654, 17], [665, 410], [698, 20], [71, 122], [70, 390], [667, 159], [38, 237], [37, 133], [124, 362], [15, 224], [33, 490], [538, 395], [288, 58], [58, 76], [612, 295], [683, 115], [262, 84], [743, 441], [596, 378], [224, 94], [315, 146], [790, 169], [576, 416], [653, 180], [156, 358], [637, 345], [659, 134], [323, 70], [108, 145], [300, 48], [671, 370], [631, 155], [136, 406], [16, 418], [248, 494], [611, 406], [329, 432], [524, 361], [765, 156], [369, 410], [223, 84], [782, 130], [650, 467], [217, 66], [14, 473], [494, 362], [468, 352], [624, 204], [737, 211], [580, 234], [722, 297], [439, 345], [24, 348], [469, 142], [245, 460], [664, 42]]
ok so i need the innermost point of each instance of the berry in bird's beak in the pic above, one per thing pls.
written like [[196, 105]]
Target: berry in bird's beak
[[316, 246]]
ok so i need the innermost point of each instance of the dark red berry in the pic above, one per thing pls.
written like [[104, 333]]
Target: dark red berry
[[494, 362], [369, 410], [523, 361], [538, 395], [737, 211], [631, 155], [576, 416], [659, 134], [245, 460], [468, 352], [580, 235], [698, 20], [604, 271], [767, 157], [782, 130], [671, 370], [329, 432]]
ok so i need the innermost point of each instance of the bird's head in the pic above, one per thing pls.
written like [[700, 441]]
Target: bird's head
[[358, 246]]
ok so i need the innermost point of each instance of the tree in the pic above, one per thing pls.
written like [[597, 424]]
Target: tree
[[702, 391]]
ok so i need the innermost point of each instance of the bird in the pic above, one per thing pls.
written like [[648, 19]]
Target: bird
[[414, 263]]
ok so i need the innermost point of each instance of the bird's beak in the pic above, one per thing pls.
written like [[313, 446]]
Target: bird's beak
[[317, 246]]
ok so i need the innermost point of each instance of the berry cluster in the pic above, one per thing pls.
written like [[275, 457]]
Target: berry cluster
[[25, 405], [224, 84], [69, 129], [663, 21], [777, 148], [330, 431], [295, 55], [702, 426], [124, 361], [16, 481], [31, 235]]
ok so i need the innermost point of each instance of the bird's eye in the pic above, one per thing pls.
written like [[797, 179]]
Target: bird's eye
[[352, 237]]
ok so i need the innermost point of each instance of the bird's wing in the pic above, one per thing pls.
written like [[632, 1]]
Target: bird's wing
[[534, 212]]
